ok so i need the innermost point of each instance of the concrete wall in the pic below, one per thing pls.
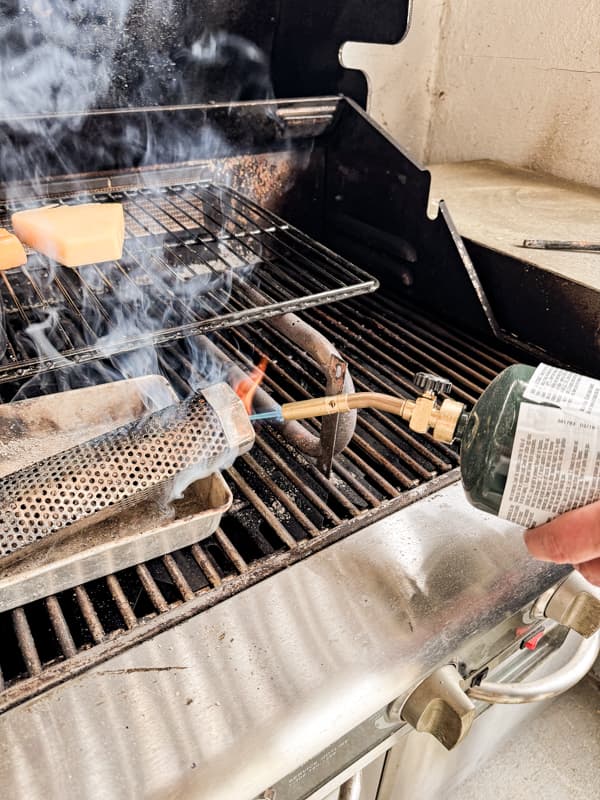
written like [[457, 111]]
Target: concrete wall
[[513, 81]]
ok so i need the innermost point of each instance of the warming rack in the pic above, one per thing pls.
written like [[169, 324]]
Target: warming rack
[[197, 257]]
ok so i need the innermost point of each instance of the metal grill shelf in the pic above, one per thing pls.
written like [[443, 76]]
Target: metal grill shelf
[[197, 257], [284, 508]]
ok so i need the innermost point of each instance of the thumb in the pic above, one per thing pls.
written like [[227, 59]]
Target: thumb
[[572, 538]]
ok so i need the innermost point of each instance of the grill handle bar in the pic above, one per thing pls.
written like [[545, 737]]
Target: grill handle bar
[[545, 688]]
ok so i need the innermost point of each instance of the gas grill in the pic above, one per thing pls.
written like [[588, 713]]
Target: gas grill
[[273, 657]]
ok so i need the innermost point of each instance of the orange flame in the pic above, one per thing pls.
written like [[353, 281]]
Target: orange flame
[[246, 388]]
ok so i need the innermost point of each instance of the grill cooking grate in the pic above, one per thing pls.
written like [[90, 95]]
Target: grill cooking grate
[[197, 257], [284, 508]]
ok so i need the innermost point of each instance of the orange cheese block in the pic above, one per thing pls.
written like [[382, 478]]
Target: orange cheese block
[[73, 235], [12, 253]]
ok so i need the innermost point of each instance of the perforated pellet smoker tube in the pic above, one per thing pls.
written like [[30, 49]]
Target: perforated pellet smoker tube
[[96, 479]]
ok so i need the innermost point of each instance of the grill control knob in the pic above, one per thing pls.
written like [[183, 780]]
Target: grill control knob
[[575, 604], [438, 706], [427, 382]]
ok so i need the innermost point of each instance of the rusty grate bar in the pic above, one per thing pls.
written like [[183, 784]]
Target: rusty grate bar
[[197, 257], [284, 508]]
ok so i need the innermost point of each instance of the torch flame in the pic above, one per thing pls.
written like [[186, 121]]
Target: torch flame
[[246, 388]]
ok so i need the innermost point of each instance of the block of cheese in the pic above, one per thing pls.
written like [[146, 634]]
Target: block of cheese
[[12, 253], [73, 235]]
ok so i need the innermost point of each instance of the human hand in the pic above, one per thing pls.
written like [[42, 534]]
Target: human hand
[[572, 538]]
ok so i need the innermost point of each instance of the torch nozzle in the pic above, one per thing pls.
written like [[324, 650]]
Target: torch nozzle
[[275, 415], [426, 414]]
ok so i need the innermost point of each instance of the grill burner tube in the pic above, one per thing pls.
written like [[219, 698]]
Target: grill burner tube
[[99, 477]]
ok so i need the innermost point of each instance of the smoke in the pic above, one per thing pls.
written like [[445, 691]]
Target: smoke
[[58, 60], [66, 57], [50, 64]]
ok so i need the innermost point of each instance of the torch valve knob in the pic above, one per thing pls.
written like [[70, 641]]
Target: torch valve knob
[[427, 382]]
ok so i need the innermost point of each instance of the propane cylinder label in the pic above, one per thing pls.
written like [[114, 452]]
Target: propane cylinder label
[[564, 389], [554, 465]]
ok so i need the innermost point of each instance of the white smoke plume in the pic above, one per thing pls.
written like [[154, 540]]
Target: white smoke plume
[[60, 59]]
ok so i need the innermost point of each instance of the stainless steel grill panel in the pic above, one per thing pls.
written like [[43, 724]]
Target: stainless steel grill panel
[[105, 473], [385, 467], [197, 257]]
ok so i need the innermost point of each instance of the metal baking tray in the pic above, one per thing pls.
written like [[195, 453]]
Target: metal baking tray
[[32, 429]]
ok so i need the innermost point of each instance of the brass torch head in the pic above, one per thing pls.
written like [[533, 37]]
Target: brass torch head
[[438, 419]]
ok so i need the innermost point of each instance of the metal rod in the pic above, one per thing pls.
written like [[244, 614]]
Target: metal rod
[[293, 477], [178, 577], [431, 329], [230, 551], [262, 508], [206, 565], [392, 367], [26, 642], [60, 627], [151, 588], [283, 496], [397, 349], [125, 610], [315, 473], [89, 614]]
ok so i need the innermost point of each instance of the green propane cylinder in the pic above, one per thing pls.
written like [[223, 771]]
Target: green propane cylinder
[[487, 440], [530, 448]]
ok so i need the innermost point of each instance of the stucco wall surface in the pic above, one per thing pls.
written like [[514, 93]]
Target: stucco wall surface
[[514, 81]]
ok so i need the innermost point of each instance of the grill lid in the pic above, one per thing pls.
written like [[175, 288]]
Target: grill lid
[[123, 53]]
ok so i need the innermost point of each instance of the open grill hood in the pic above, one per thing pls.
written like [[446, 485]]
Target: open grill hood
[[133, 53]]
